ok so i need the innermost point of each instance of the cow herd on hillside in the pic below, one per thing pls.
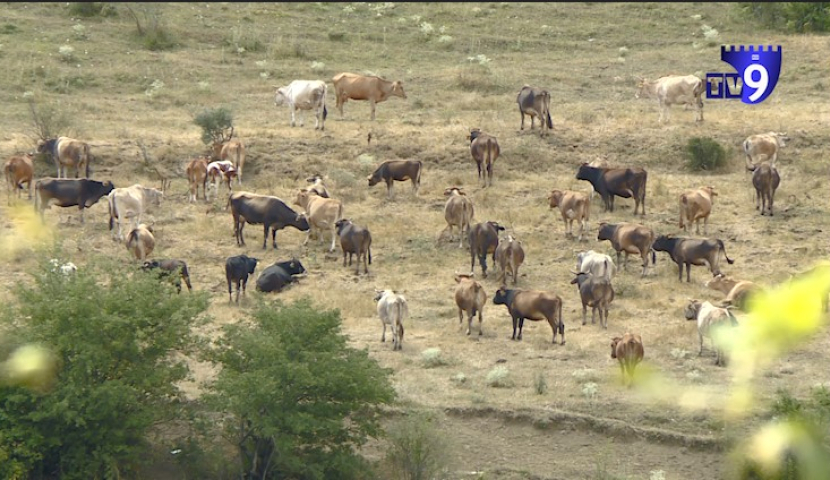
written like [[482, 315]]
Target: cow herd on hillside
[[318, 213]]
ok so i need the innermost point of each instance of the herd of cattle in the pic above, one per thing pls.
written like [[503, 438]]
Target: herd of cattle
[[320, 214]]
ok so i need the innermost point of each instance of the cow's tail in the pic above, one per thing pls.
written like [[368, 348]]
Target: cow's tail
[[723, 249], [418, 177], [88, 159], [561, 322], [369, 251], [325, 112], [113, 211], [684, 203], [547, 110]]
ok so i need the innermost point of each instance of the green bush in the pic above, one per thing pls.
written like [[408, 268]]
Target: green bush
[[417, 450], [799, 17], [215, 123], [91, 9], [704, 154]]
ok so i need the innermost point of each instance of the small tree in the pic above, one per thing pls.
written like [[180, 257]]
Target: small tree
[[300, 399], [217, 125], [417, 450], [704, 154], [47, 121]]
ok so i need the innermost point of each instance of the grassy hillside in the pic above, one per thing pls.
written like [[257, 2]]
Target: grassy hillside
[[462, 66]]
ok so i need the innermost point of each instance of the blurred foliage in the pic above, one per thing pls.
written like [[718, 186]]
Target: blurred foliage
[[798, 17]]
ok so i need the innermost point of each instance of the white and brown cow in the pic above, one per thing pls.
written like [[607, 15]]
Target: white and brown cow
[[131, 202], [304, 95], [67, 153], [709, 319]]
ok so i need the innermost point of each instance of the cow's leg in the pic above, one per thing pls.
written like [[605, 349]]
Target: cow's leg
[[383, 335], [372, 106], [706, 225], [480, 321], [523, 119], [521, 327], [680, 271], [470, 321], [769, 202], [389, 192], [515, 324], [700, 337], [688, 273], [584, 313], [334, 239]]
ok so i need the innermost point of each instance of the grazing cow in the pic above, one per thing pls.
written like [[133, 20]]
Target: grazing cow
[[271, 212], [197, 174], [765, 179], [67, 153], [763, 146], [275, 277], [599, 265], [573, 206], [674, 90], [141, 241], [535, 102], [220, 171], [171, 268], [357, 240], [66, 192], [709, 318], [19, 169], [458, 211], [695, 205], [738, 292], [628, 350], [304, 95], [483, 240], [237, 270], [322, 213], [596, 293], [392, 310], [629, 238], [397, 170], [509, 255], [65, 269], [317, 186], [358, 87], [485, 149], [470, 297], [619, 182], [131, 202], [692, 251], [533, 305]]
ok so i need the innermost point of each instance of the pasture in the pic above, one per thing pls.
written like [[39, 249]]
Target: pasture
[[462, 66]]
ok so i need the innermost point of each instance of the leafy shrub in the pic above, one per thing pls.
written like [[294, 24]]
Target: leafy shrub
[[214, 122], [417, 450], [704, 154], [499, 377], [799, 17], [9, 28], [432, 357], [92, 9]]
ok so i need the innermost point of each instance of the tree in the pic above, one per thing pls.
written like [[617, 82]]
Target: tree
[[113, 333], [217, 125], [300, 399]]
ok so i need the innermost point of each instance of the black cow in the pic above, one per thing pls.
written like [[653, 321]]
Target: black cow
[[483, 239], [397, 170], [171, 267], [278, 275], [271, 212], [620, 182], [70, 192], [237, 270], [692, 251]]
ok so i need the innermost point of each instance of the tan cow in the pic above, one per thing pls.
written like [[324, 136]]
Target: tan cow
[[67, 153], [737, 292], [674, 90], [628, 350], [509, 257], [197, 174], [359, 87], [485, 149], [19, 169], [573, 206], [458, 212], [763, 144], [629, 238], [696, 205], [470, 297], [322, 213], [225, 148], [141, 241]]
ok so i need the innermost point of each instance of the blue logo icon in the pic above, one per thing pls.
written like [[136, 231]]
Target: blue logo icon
[[758, 71]]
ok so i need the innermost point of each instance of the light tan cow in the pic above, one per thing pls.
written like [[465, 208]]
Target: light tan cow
[[573, 206], [737, 292], [763, 144], [458, 212], [197, 174], [470, 297], [509, 256], [131, 202], [141, 242], [674, 90], [322, 213], [359, 87], [19, 169], [696, 205], [710, 318]]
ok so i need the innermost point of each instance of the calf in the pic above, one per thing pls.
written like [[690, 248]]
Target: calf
[[696, 205], [485, 149], [322, 213], [271, 212], [397, 170], [573, 206], [470, 297], [616, 182], [197, 174], [275, 277], [599, 265], [141, 242], [628, 350], [596, 293], [237, 270], [710, 318], [532, 305], [175, 269], [218, 172], [18, 170], [765, 179], [66, 192], [629, 238], [392, 310], [737, 292], [483, 240], [357, 240], [692, 251], [509, 255], [458, 211]]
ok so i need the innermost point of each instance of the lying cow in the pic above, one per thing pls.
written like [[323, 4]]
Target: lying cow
[[692, 251], [237, 270], [172, 268], [596, 293], [355, 240], [616, 182], [483, 240], [485, 150], [763, 147], [765, 179], [66, 192], [535, 102], [275, 277], [533, 305], [392, 310], [738, 292], [628, 350], [573, 206], [696, 205], [629, 238], [358, 87], [509, 256], [271, 212], [674, 90], [470, 297], [141, 242], [304, 95], [397, 170], [458, 212], [18, 170], [599, 265], [710, 318]]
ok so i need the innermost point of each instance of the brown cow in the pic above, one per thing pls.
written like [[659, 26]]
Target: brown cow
[[458, 211], [358, 87], [141, 242], [573, 206], [696, 204], [485, 149], [67, 153], [595, 292], [229, 149], [470, 297], [616, 182], [737, 292], [354, 239], [533, 305], [535, 102], [628, 350], [19, 169], [692, 251], [765, 179], [397, 170], [197, 174], [509, 255], [483, 240], [629, 238]]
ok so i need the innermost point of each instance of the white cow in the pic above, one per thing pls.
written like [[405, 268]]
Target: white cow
[[599, 265], [220, 171], [674, 90], [131, 202], [392, 310], [756, 146], [304, 95], [709, 318]]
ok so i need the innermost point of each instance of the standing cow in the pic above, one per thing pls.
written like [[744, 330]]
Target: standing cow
[[359, 87], [67, 153], [141, 241], [692, 251], [392, 310], [19, 169], [674, 90], [397, 170], [616, 182], [470, 297], [70, 192], [483, 240], [628, 350], [765, 179], [485, 149], [237, 270], [458, 211], [535, 102], [509, 256], [355, 239], [304, 95], [533, 305], [196, 171]]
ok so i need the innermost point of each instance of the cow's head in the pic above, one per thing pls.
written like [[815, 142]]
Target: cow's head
[[692, 309], [474, 133], [580, 278], [614, 342], [496, 226], [374, 178], [341, 224], [643, 87], [301, 198], [554, 198], [250, 264], [458, 277], [280, 97], [397, 89], [500, 298], [302, 222], [453, 191]]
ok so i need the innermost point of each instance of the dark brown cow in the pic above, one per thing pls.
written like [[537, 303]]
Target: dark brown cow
[[533, 305], [354, 239], [619, 182], [397, 170], [485, 149], [483, 240], [692, 251], [70, 192], [628, 350], [535, 102], [271, 212], [509, 255], [629, 238], [765, 179], [596, 293], [358, 87], [67, 153], [19, 169]]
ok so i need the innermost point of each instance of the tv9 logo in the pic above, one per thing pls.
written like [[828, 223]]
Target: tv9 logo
[[758, 72]]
